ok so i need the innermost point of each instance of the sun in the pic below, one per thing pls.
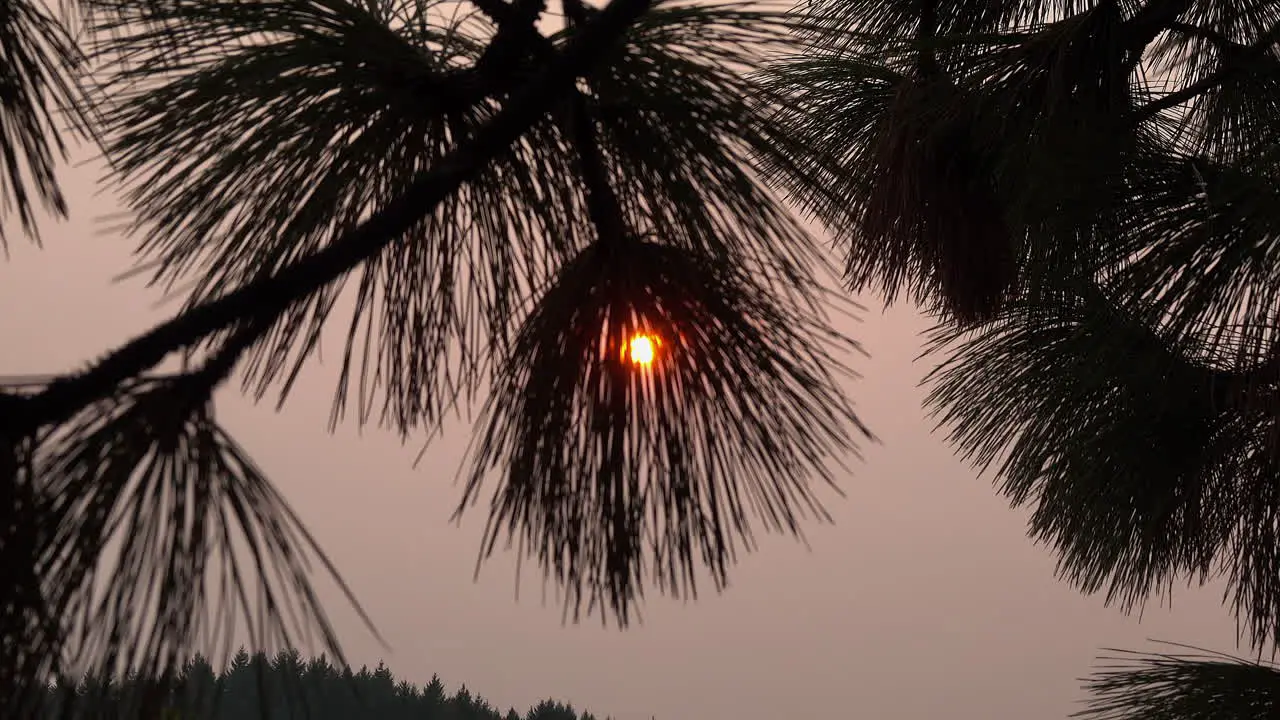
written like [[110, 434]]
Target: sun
[[641, 349]]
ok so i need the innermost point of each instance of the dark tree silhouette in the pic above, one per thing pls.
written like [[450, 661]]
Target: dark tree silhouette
[[507, 201], [1084, 193], [257, 687]]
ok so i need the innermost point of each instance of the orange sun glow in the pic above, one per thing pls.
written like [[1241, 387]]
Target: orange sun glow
[[641, 349]]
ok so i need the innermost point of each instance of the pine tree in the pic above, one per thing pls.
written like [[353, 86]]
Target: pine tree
[[551, 710]]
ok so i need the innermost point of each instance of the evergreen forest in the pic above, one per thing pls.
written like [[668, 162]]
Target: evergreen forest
[[284, 687]]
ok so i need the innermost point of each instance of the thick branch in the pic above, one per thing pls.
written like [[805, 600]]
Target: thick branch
[[1212, 80], [602, 202], [220, 364], [1151, 20], [1213, 37], [499, 65], [268, 298]]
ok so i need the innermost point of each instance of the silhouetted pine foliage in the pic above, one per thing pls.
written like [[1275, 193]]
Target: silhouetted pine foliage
[[1183, 684], [253, 687], [44, 107], [447, 173], [610, 470], [1083, 194]]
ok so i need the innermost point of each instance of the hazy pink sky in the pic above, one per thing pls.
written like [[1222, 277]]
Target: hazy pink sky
[[924, 601]]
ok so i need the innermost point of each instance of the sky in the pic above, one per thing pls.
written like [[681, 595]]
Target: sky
[[923, 600]]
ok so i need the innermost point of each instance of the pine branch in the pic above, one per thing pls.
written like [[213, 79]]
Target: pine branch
[[219, 366], [1215, 38], [602, 201], [1213, 80], [510, 46], [268, 298], [43, 108], [516, 23], [1153, 19], [1185, 683], [299, 135]]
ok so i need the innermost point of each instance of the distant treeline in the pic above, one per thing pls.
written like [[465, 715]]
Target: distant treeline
[[292, 688]]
